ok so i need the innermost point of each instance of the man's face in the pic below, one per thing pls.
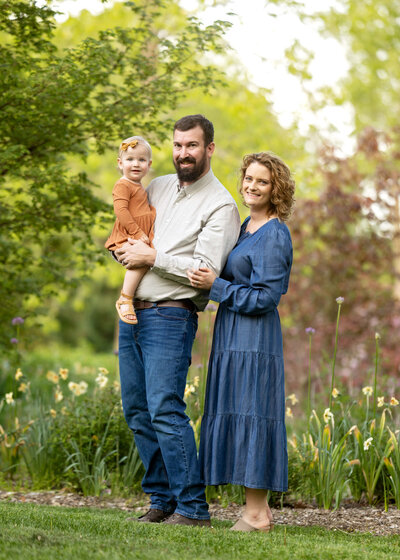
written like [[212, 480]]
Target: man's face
[[191, 157]]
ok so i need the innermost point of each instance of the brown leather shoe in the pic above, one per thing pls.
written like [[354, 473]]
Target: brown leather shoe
[[177, 519], [151, 516]]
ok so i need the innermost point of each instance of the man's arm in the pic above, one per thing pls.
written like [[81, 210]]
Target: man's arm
[[214, 243]]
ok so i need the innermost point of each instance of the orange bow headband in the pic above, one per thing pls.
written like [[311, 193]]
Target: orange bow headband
[[126, 145]]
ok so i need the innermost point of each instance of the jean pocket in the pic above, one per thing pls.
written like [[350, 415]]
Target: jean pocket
[[173, 313]]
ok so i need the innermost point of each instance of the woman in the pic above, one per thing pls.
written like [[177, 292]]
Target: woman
[[243, 434]]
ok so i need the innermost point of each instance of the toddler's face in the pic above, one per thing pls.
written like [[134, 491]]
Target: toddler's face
[[135, 163]]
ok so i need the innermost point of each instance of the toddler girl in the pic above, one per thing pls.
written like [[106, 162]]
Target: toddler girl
[[134, 216]]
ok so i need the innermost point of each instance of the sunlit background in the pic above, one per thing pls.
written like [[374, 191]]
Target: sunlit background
[[318, 83]]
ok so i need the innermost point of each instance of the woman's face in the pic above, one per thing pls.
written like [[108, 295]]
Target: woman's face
[[257, 187]]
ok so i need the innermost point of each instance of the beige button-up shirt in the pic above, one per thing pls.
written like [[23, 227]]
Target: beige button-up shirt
[[197, 226]]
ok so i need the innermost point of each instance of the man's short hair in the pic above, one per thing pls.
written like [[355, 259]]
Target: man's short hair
[[191, 121]]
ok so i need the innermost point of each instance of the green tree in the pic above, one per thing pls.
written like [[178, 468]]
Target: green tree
[[370, 33], [59, 106]]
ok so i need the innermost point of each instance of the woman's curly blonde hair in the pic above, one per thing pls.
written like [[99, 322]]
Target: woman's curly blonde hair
[[282, 194]]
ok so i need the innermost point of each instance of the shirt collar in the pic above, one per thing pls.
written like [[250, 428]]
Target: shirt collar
[[197, 185]]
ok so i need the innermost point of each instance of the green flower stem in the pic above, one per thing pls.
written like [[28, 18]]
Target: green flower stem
[[377, 337], [334, 355], [384, 492], [309, 383]]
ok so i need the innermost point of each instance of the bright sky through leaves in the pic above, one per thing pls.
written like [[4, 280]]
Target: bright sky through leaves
[[260, 40]]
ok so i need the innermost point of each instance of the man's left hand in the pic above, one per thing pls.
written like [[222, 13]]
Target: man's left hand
[[136, 254]]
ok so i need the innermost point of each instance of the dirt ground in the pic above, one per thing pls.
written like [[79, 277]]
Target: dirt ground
[[349, 518]]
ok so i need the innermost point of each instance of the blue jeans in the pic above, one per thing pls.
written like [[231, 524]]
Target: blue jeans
[[154, 358]]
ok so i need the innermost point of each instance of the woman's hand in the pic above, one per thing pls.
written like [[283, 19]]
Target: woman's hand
[[201, 279]]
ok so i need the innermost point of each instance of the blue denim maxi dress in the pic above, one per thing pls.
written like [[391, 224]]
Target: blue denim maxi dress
[[243, 433]]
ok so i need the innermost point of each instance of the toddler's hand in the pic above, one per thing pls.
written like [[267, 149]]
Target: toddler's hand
[[145, 239]]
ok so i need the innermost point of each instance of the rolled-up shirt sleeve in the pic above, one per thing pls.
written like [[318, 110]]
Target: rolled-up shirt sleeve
[[271, 260], [214, 243]]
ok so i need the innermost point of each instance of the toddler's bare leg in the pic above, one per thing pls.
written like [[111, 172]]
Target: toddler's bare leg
[[132, 280]]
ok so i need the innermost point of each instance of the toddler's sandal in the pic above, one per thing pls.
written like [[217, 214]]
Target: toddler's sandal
[[124, 306]]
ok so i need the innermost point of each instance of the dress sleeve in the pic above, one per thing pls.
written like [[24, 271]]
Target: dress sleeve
[[271, 260], [121, 196]]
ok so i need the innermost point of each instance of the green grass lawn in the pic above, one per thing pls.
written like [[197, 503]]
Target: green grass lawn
[[42, 532]]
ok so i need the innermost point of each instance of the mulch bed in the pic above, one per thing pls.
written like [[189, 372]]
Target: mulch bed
[[349, 518]]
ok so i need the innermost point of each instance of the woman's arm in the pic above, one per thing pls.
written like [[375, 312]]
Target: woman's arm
[[271, 260]]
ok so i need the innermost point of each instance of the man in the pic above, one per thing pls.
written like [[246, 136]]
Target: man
[[197, 224]]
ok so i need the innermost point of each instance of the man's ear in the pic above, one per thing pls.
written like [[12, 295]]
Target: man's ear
[[210, 149]]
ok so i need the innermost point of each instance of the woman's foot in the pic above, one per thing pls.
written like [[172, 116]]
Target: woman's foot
[[245, 526], [257, 515], [125, 309], [270, 518]]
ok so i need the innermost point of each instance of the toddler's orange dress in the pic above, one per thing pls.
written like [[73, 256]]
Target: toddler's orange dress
[[134, 214]]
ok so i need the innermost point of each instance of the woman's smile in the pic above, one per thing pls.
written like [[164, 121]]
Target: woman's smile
[[252, 194]]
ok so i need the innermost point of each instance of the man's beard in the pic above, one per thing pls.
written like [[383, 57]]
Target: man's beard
[[189, 175]]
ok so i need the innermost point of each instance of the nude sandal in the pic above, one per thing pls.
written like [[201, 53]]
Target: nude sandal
[[128, 301], [241, 525]]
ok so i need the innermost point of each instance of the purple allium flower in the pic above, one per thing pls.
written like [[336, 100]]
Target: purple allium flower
[[310, 330], [339, 300], [211, 307], [14, 340], [17, 321], [115, 352]]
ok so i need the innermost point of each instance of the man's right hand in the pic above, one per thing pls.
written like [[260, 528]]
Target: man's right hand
[[136, 254]]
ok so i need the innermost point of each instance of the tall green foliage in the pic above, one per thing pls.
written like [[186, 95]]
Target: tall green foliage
[[59, 104]]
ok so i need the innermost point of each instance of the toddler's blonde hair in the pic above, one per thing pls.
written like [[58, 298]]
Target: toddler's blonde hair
[[139, 140]]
